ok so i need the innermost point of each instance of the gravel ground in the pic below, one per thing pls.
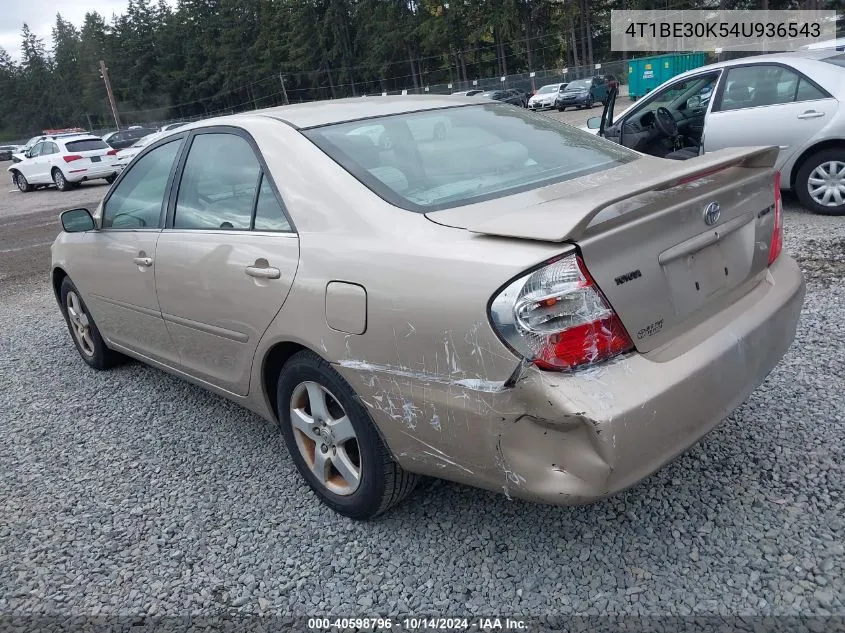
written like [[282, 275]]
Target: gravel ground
[[131, 492]]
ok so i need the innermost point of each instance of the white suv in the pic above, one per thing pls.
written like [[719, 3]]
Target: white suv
[[65, 161]]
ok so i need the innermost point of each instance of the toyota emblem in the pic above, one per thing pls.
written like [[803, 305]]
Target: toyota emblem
[[711, 213]]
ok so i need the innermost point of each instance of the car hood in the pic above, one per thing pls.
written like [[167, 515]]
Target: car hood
[[563, 211]]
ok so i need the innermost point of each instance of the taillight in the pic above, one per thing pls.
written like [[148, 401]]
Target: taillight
[[776, 245], [557, 317], [111, 152], [71, 157]]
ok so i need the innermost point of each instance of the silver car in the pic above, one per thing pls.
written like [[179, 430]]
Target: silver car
[[792, 100]]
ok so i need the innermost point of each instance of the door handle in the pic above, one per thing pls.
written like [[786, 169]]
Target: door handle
[[810, 114], [143, 261], [263, 272]]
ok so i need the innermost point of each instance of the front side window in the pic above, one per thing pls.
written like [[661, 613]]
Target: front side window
[[680, 92], [488, 151], [765, 85], [137, 200], [218, 184], [36, 150]]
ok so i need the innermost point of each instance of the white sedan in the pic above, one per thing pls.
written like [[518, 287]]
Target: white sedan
[[64, 161]]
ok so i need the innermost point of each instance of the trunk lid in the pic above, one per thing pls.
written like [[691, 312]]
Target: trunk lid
[[651, 237]]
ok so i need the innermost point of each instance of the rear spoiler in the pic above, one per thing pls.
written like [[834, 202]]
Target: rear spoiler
[[567, 218]]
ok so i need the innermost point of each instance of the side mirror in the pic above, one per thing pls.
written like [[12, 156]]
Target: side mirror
[[77, 221], [693, 103], [594, 123]]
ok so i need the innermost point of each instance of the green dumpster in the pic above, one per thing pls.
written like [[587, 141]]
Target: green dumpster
[[646, 73]]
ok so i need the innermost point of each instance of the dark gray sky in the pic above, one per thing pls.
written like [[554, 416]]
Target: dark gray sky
[[40, 15]]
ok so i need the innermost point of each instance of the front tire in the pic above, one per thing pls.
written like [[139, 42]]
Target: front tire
[[84, 331], [111, 179], [22, 183], [820, 182], [60, 181], [334, 442], [561, 109]]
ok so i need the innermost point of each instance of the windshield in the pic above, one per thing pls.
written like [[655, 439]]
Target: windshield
[[580, 84], [468, 154], [547, 89]]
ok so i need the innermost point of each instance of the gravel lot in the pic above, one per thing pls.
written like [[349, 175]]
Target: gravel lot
[[131, 492]]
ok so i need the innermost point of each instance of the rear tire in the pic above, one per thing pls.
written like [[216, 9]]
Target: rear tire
[[316, 445], [60, 181], [817, 168], [22, 183], [111, 179], [83, 330]]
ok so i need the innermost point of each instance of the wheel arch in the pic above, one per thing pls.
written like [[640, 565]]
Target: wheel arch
[[271, 368], [58, 275], [818, 147]]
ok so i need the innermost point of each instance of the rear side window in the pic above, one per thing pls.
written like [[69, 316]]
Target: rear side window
[[86, 145], [218, 185], [464, 155]]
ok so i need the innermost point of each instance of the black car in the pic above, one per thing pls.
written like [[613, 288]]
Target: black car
[[582, 93], [6, 151], [126, 138], [506, 96]]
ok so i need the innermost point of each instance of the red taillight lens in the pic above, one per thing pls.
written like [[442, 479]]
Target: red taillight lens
[[71, 157], [111, 152], [776, 245], [558, 318]]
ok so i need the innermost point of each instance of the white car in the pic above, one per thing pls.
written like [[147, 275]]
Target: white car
[[65, 161], [125, 156], [545, 97]]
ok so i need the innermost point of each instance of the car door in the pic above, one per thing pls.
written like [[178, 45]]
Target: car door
[[33, 167], [767, 104], [119, 265], [49, 153], [226, 259]]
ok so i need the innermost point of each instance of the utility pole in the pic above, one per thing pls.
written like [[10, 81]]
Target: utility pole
[[104, 73], [284, 90]]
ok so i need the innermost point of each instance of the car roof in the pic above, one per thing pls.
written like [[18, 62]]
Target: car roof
[[305, 115]]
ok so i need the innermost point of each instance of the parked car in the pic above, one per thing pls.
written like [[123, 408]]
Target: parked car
[[790, 100], [64, 161], [505, 96], [582, 93], [21, 153], [126, 138], [478, 309], [125, 156], [521, 95], [6, 151], [545, 97]]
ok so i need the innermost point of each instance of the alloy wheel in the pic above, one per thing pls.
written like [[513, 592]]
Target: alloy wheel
[[80, 324], [325, 438], [826, 183]]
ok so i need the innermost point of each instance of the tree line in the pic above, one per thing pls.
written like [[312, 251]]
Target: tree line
[[204, 57]]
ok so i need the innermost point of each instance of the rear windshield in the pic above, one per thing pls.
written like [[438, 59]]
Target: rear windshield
[[439, 159], [86, 145], [579, 84]]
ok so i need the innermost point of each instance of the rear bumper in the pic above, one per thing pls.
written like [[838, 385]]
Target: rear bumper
[[639, 413], [575, 438], [91, 173]]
